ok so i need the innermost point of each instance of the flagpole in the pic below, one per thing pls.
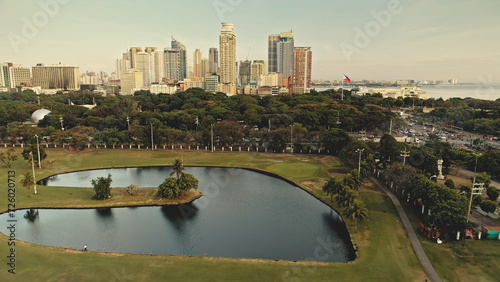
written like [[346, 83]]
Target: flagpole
[[342, 88]]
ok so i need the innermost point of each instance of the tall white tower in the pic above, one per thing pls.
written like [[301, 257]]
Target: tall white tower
[[227, 42]]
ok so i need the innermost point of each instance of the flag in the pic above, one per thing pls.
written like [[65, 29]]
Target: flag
[[347, 79]]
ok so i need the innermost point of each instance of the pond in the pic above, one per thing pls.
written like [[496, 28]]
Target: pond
[[242, 214]]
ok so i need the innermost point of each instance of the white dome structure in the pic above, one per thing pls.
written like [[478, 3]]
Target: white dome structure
[[38, 115]]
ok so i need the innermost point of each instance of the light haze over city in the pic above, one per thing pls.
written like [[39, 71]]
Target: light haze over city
[[373, 40]]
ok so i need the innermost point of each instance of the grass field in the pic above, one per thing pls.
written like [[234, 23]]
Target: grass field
[[384, 249], [466, 260]]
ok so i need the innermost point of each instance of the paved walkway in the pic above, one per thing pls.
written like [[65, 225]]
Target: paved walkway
[[417, 247]]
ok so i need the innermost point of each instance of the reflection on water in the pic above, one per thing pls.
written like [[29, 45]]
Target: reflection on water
[[243, 214], [31, 215], [104, 212], [179, 215]]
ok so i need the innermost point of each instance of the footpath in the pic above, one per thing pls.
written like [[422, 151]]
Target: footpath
[[417, 247]]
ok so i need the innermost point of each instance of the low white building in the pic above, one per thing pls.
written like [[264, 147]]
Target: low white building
[[162, 88], [403, 92]]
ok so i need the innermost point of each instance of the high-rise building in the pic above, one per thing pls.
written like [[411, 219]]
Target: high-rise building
[[285, 54], [133, 51], [273, 52], [259, 68], [131, 80], [280, 53], [205, 67], [142, 65], [157, 66], [59, 77], [245, 72], [213, 60], [172, 64], [19, 76], [155, 75], [212, 83], [176, 45], [227, 42], [122, 65], [197, 63], [4, 74], [302, 70]]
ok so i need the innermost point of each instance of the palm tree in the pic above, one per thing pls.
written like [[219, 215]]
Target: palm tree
[[353, 180], [346, 197], [333, 187], [28, 181], [356, 211], [178, 169]]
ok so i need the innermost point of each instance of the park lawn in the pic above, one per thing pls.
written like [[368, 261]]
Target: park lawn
[[465, 260], [384, 249]]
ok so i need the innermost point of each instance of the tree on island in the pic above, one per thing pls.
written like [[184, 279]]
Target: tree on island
[[102, 188], [174, 187], [28, 181], [178, 169], [8, 157]]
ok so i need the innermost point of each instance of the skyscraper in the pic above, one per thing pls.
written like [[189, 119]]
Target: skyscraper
[[131, 80], [259, 68], [157, 66], [285, 54], [245, 72], [176, 45], [172, 64], [213, 60], [60, 77], [273, 52], [227, 42], [302, 70], [197, 63], [204, 67], [4, 74], [280, 53], [133, 52], [142, 65], [154, 71]]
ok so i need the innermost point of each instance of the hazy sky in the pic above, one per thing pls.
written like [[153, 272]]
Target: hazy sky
[[366, 39]]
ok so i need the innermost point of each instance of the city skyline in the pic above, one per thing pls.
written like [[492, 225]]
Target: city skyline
[[385, 40]]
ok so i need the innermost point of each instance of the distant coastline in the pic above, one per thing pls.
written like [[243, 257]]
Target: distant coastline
[[447, 91]]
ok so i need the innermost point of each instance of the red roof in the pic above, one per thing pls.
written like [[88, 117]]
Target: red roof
[[496, 228]]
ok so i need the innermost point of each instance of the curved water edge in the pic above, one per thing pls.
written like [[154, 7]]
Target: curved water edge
[[272, 200]]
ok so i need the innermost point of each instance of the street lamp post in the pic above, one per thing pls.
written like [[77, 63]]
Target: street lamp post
[[152, 142], [61, 120], [128, 123], [212, 134], [38, 149], [359, 162], [33, 168], [291, 139], [475, 166]]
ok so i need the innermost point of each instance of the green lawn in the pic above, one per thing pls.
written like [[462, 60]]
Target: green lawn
[[384, 249], [466, 260]]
